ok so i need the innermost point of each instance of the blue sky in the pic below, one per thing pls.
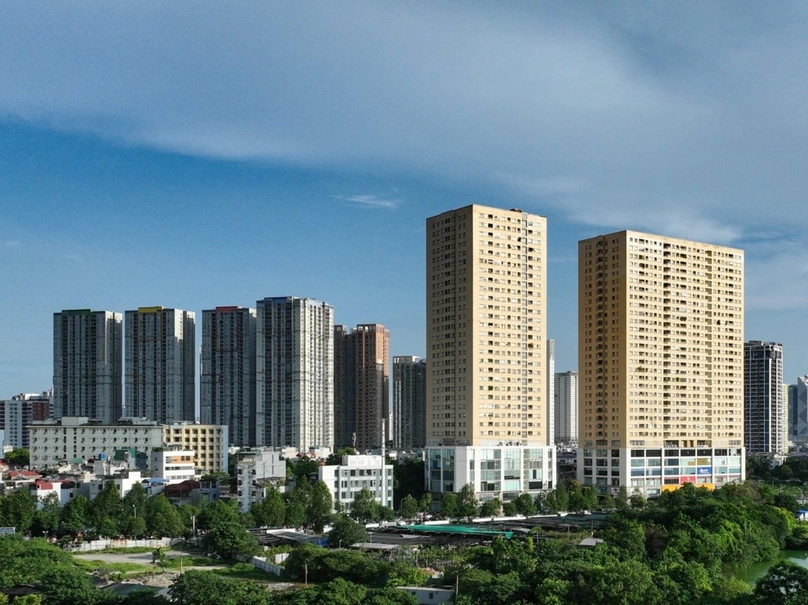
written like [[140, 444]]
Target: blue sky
[[194, 155]]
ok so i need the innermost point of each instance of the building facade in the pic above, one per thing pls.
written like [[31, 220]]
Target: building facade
[[160, 364], [74, 438], [798, 411], [566, 407], [764, 405], [295, 373], [660, 346], [174, 464], [355, 474], [409, 402], [255, 469], [19, 412], [88, 364], [486, 346], [209, 441], [362, 416], [227, 381]]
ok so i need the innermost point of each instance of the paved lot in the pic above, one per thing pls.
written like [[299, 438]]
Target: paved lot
[[143, 558]]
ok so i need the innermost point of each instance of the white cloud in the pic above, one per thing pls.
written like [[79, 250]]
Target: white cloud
[[369, 201]]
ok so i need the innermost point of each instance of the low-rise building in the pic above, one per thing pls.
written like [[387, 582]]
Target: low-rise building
[[209, 441], [255, 468], [173, 463], [355, 473]]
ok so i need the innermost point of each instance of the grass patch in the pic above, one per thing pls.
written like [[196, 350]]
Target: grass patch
[[190, 561], [122, 551], [245, 571], [105, 567]]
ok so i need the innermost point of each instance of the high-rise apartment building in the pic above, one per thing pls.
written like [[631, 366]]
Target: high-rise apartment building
[[798, 411], [362, 386], [295, 372], [88, 364], [160, 364], [409, 402], [660, 334], [227, 380], [19, 412], [550, 397], [764, 405], [486, 310], [566, 407]]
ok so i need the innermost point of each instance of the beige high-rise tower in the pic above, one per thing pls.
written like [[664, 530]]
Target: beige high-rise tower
[[486, 291], [661, 353]]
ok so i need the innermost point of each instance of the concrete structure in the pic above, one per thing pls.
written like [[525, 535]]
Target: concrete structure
[[486, 308], [88, 364], [255, 468], [354, 474], [660, 333], [798, 411], [209, 441], [566, 407], [174, 464], [77, 439], [160, 364], [427, 595], [124, 480], [764, 406], [227, 384], [409, 402], [295, 372], [362, 386], [20, 411], [550, 397]]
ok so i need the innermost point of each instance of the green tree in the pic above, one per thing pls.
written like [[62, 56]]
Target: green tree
[[346, 532], [409, 507], [621, 502], [106, 510], [230, 540], [525, 504], [509, 509], [320, 505], [425, 503], [363, 508], [218, 512], [390, 596], [206, 588], [491, 508], [450, 505], [575, 497], [46, 519], [408, 479], [589, 496], [637, 500], [18, 457], [562, 497], [68, 586], [18, 510], [295, 514], [163, 520], [134, 502], [74, 516], [271, 511], [784, 584], [467, 505]]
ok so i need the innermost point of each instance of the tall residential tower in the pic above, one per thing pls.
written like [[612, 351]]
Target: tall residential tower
[[566, 407], [362, 386], [88, 364], [227, 381], [660, 349], [295, 372], [409, 402], [486, 310], [160, 364], [764, 405]]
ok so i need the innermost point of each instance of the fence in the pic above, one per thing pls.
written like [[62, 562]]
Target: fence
[[262, 563], [105, 544]]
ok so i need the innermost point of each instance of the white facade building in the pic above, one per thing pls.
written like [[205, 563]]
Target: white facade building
[[566, 407], [88, 364], [355, 473], [254, 469], [174, 464], [295, 372], [76, 438], [209, 441], [501, 472], [20, 411], [227, 383], [160, 364]]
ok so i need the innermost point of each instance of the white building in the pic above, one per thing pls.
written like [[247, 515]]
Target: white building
[[20, 411], [77, 439], [295, 372], [173, 463], [160, 364], [354, 474], [88, 364], [566, 407], [254, 469], [503, 471], [124, 480], [227, 382]]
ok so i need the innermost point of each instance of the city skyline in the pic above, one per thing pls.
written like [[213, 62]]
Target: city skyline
[[192, 170]]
